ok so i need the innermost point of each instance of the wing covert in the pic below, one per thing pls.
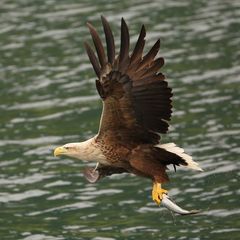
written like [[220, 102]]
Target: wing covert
[[136, 97]]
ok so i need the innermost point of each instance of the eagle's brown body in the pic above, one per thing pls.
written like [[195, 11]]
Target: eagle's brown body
[[136, 109], [131, 156]]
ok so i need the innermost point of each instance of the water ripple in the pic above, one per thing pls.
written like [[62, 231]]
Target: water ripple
[[48, 97], [41, 237], [36, 177], [67, 207], [16, 197]]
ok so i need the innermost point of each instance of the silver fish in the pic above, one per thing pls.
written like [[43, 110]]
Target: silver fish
[[170, 205]]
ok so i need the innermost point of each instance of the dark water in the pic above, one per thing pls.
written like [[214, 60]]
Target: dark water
[[48, 98]]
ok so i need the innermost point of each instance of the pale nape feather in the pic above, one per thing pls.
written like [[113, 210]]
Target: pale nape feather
[[171, 147], [86, 151]]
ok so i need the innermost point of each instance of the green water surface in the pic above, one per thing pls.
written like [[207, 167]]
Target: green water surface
[[48, 98]]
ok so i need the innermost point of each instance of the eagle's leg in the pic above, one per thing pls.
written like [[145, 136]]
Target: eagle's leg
[[158, 192], [96, 167], [100, 171]]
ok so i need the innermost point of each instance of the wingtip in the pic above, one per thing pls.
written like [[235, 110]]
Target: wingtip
[[123, 22], [143, 30], [105, 22], [103, 18], [90, 27], [157, 45]]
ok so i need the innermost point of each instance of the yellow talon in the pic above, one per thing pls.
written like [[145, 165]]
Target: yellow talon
[[157, 192]]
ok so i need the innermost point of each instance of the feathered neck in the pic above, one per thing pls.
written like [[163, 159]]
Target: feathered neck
[[87, 151]]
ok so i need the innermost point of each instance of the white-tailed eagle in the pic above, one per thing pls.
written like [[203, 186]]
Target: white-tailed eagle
[[136, 110]]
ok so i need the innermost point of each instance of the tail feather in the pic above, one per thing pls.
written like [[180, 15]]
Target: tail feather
[[171, 147]]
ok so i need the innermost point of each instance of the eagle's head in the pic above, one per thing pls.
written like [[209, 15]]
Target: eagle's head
[[69, 149], [86, 151]]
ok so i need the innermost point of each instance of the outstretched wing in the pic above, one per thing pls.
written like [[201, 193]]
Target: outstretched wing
[[136, 97]]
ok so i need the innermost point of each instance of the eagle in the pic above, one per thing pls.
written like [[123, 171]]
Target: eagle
[[137, 108]]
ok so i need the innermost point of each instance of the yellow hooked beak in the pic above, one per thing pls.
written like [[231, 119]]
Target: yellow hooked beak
[[59, 151]]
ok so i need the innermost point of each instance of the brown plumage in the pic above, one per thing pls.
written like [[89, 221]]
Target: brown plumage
[[136, 110], [137, 104]]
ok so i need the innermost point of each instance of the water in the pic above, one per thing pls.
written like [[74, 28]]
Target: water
[[48, 98]]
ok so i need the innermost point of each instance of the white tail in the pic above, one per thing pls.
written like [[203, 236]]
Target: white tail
[[171, 147]]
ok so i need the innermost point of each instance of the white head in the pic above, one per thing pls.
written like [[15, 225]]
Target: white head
[[86, 151], [69, 149]]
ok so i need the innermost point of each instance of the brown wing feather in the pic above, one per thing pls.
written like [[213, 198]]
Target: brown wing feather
[[93, 60], [109, 40], [98, 45], [136, 98], [124, 48], [138, 50]]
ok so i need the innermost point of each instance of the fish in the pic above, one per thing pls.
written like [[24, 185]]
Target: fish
[[173, 207]]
